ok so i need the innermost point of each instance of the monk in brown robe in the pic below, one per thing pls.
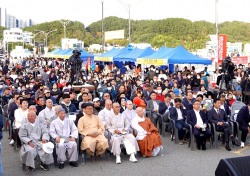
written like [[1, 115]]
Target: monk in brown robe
[[92, 129], [147, 135]]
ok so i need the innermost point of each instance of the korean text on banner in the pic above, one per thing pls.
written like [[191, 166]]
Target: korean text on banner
[[240, 60], [222, 47]]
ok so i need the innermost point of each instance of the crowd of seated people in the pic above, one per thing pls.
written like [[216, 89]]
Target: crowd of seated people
[[122, 113]]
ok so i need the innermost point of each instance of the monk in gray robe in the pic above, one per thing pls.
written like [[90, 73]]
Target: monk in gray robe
[[48, 114], [92, 129], [33, 135], [118, 126], [65, 133], [129, 113]]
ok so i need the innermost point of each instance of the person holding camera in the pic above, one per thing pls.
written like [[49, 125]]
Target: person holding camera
[[197, 119], [75, 64]]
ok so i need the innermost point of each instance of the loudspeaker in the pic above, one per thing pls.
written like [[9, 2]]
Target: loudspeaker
[[239, 166]]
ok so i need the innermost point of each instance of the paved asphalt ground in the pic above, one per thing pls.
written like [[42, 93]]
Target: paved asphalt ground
[[178, 160]]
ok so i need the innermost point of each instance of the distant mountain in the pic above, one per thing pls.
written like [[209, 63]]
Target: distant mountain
[[74, 29], [170, 32]]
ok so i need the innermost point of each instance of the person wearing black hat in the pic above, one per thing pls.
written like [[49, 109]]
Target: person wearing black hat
[[47, 96], [31, 100], [66, 104]]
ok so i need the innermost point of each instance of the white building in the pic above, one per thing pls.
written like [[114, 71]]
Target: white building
[[21, 24], [13, 35], [95, 48], [27, 37], [72, 44], [11, 21], [16, 35], [3, 16]]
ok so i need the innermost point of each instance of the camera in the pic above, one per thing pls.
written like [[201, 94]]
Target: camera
[[228, 67]]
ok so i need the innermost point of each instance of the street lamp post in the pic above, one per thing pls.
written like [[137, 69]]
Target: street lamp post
[[64, 23], [103, 40], [127, 7], [38, 32], [46, 36]]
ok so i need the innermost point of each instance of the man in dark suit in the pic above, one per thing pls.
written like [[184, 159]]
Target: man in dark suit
[[165, 106], [146, 91], [198, 120], [188, 101], [219, 117], [243, 118], [224, 104], [178, 114], [153, 107]]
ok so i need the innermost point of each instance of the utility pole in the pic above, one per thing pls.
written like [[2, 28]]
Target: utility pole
[[217, 35], [129, 24], [103, 39], [64, 23]]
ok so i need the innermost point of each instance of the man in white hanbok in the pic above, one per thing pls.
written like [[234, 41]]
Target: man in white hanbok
[[118, 126], [65, 133], [33, 135]]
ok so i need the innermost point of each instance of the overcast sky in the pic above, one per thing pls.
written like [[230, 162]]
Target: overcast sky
[[88, 11]]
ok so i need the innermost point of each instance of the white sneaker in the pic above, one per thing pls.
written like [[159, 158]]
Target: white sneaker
[[118, 159], [11, 142], [132, 158], [242, 145]]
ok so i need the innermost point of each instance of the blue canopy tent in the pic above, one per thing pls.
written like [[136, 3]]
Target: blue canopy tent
[[134, 54], [108, 56], [85, 55], [50, 54], [157, 58], [67, 54], [181, 56], [63, 52], [122, 53]]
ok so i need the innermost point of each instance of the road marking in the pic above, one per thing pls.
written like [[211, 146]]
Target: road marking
[[241, 150]]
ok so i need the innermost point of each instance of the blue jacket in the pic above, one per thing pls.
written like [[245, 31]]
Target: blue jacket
[[1, 127], [163, 107], [188, 105], [123, 70], [70, 108]]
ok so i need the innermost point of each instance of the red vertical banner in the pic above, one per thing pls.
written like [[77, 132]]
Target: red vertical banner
[[89, 63], [222, 47]]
